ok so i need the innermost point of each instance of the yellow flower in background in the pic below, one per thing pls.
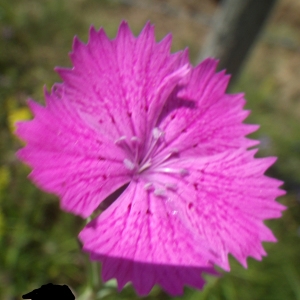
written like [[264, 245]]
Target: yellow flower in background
[[17, 114]]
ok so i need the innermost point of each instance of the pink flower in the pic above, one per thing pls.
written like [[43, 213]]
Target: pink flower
[[129, 112]]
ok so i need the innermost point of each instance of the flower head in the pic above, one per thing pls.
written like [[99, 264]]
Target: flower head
[[130, 113]]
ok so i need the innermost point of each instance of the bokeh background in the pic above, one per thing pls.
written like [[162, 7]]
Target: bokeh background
[[38, 241]]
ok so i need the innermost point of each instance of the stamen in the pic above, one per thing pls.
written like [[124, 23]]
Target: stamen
[[160, 192], [158, 161], [129, 164], [171, 186], [135, 145], [166, 157], [148, 186], [157, 133], [174, 151], [167, 170], [135, 140], [184, 172], [120, 140], [145, 166]]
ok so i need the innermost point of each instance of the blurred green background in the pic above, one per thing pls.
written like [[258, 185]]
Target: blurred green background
[[38, 241]]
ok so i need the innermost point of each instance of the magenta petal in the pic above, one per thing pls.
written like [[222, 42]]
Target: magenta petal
[[208, 120], [144, 275], [123, 82], [69, 157], [139, 231], [224, 200]]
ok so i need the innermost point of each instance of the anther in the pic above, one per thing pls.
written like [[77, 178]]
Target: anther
[[129, 164], [148, 186], [174, 151], [171, 186], [169, 155], [184, 172], [157, 133], [145, 166], [160, 192], [120, 140], [134, 140]]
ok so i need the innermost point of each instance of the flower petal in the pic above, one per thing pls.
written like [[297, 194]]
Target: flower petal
[[70, 157], [123, 82], [224, 200], [138, 239], [200, 119]]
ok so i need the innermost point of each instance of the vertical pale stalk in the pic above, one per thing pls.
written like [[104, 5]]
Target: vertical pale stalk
[[94, 281]]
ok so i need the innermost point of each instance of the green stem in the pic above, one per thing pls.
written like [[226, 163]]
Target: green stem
[[93, 274], [94, 277]]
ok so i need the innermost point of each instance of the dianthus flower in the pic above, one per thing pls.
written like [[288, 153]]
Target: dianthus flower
[[130, 114]]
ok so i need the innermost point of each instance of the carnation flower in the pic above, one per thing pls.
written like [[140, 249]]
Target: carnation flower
[[129, 115]]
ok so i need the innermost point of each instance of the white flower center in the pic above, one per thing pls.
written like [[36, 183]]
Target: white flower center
[[151, 161]]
